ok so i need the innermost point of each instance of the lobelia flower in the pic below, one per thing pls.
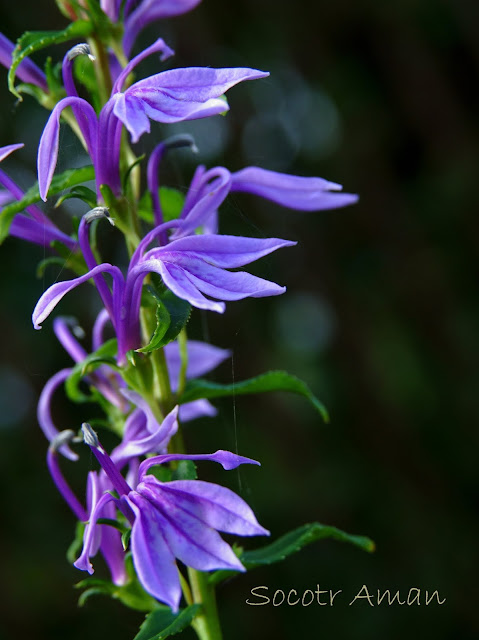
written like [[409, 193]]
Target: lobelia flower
[[27, 70], [190, 267], [35, 227], [170, 96], [209, 189], [178, 519]]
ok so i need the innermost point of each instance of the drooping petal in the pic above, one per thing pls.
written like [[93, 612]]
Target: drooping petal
[[28, 229], [153, 559], [223, 251], [10, 148], [215, 506], [195, 544], [212, 193], [150, 11], [44, 415], [176, 95], [226, 459], [48, 147], [90, 537], [143, 434], [176, 279], [296, 192], [196, 409], [55, 293], [222, 284], [159, 46]]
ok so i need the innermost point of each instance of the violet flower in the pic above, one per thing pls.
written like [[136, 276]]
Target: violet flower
[[169, 96], [178, 519], [35, 227], [27, 70], [190, 267], [209, 188]]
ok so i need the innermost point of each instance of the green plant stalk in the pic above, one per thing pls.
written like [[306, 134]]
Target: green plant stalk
[[206, 624]]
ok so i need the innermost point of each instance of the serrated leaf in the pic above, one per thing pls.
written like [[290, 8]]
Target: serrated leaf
[[291, 543], [32, 41], [162, 622], [270, 381], [60, 182], [163, 321], [103, 355]]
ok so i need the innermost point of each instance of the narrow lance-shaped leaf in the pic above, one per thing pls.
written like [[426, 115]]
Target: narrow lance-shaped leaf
[[32, 41], [291, 543], [270, 381], [163, 623]]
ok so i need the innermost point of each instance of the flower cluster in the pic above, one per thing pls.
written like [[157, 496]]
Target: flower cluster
[[181, 260]]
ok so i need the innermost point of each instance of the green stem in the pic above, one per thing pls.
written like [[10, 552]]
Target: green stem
[[183, 346], [206, 624]]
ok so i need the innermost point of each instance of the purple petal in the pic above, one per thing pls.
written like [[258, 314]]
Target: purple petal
[[159, 46], [176, 95], [6, 151], [215, 506], [48, 147], [44, 415], [90, 537], [111, 8], [150, 11], [195, 544], [176, 279], [139, 440], [226, 459], [221, 284], [213, 192], [223, 251], [30, 230], [153, 559], [296, 192], [55, 293], [27, 71], [202, 358], [196, 409]]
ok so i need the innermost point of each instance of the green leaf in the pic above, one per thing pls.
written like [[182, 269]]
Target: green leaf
[[82, 193], [162, 622], [32, 41], [103, 355], [75, 548], [291, 543], [172, 314], [185, 470], [60, 182], [270, 381], [172, 202], [131, 594], [43, 264]]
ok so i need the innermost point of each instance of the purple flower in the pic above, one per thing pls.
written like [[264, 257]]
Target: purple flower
[[27, 71], [178, 519], [35, 227], [169, 96], [190, 267], [209, 188]]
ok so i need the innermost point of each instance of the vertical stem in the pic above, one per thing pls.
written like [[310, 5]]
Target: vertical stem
[[206, 624]]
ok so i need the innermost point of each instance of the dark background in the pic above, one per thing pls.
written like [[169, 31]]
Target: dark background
[[380, 318]]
